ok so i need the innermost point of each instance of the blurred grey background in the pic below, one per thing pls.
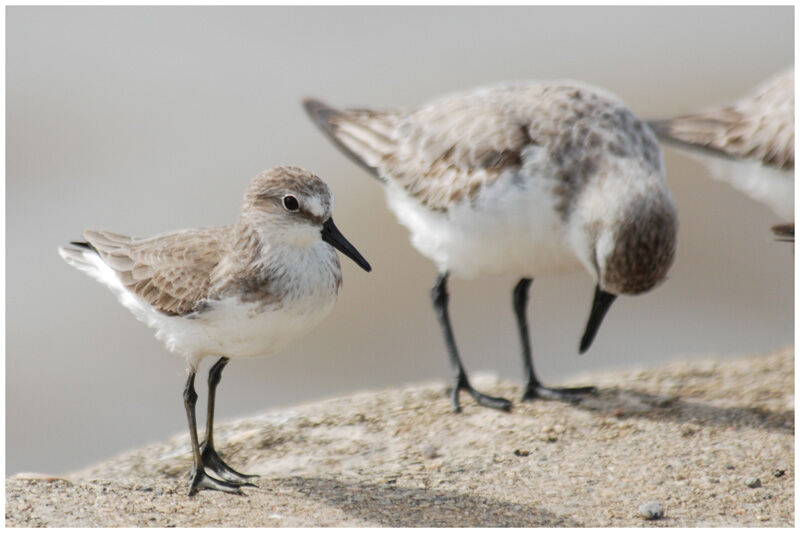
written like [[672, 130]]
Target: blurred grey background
[[143, 120]]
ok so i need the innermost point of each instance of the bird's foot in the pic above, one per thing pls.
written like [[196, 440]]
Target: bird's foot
[[200, 480], [213, 462], [564, 394], [485, 400]]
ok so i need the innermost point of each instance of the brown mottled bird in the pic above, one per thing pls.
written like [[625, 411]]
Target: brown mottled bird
[[524, 179], [238, 291]]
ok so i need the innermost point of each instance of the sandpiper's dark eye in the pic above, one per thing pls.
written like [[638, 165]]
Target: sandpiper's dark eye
[[290, 203]]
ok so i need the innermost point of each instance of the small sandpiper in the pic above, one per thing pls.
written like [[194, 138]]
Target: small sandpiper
[[749, 143], [238, 291], [527, 179]]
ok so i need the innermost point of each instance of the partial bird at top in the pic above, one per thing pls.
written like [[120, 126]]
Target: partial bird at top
[[749, 143]]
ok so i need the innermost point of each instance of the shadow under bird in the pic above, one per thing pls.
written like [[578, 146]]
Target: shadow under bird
[[238, 291], [749, 143], [528, 179]]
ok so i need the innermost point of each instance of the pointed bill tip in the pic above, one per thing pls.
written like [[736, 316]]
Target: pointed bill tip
[[600, 305], [585, 343]]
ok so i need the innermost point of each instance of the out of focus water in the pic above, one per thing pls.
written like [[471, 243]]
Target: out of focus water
[[142, 120]]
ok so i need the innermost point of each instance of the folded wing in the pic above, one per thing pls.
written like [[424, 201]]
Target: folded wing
[[440, 154], [171, 272]]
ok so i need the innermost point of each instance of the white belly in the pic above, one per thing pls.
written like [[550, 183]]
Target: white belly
[[773, 187], [229, 327], [509, 230], [240, 330]]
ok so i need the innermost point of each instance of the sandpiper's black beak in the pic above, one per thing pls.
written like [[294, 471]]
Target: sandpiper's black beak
[[602, 301], [332, 235]]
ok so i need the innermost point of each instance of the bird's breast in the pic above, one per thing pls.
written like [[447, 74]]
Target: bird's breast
[[512, 227], [258, 316]]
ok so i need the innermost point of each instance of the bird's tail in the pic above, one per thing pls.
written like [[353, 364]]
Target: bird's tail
[[362, 135], [102, 252], [76, 253], [81, 255], [689, 132]]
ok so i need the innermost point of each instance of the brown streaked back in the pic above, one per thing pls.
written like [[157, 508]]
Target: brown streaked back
[[424, 150], [445, 152], [172, 272]]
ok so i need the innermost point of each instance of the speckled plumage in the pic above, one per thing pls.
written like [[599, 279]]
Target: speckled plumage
[[469, 159], [445, 152], [171, 272], [525, 179], [244, 290], [218, 291]]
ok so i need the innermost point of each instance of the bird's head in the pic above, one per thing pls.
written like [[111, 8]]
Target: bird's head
[[293, 206], [628, 245]]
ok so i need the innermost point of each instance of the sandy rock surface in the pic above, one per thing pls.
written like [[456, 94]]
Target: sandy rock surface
[[692, 436]]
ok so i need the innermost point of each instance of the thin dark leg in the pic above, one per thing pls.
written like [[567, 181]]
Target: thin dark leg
[[534, 388], [199, 479], [440, 298], [211, 460]]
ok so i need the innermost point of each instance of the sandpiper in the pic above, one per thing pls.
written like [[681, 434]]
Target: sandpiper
[[527, 179], [749, 143], [238, 291]]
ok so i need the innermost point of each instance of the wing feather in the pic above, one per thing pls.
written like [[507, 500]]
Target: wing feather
[[439, 153], [447, 151], [759, 127], [172, 272]]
